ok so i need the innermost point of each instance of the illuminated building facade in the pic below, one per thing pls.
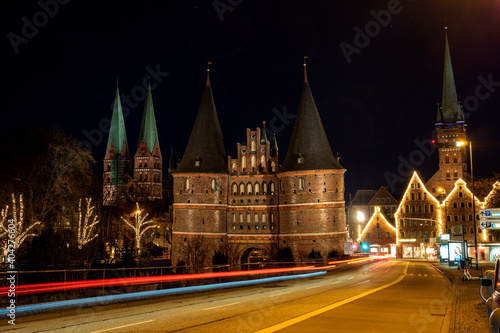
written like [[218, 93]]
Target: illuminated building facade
[[247, 206], [380, 234]]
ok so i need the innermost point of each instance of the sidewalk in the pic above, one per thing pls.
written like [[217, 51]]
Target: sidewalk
[[468, 312]]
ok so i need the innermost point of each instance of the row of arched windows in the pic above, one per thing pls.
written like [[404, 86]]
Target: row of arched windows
[[253, 189], [253, 164], [249, 217], [144, 177]]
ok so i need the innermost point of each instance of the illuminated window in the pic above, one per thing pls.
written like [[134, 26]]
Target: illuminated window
[[187, 184], [301, 183], [256, 218], [249, 189], [242, 189], [213, 184], [234, 189], [264, 188], [271, 187], [257, 188]]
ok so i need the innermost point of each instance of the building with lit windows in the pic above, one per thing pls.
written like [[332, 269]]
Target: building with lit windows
[[247, 207], [379, 234]]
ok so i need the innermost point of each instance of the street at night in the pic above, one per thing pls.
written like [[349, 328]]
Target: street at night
[[387, 296], [250, 166]]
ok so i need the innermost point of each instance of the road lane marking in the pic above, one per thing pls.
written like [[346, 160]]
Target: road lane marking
[[287, 292], [118, 327], [313, 287], [350, 278], [336, 282], [220, 306], [303, 317]]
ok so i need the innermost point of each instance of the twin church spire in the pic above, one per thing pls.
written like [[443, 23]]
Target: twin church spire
[[142, 179]]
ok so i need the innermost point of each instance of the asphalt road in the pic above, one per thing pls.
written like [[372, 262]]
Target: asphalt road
[[388, 296]]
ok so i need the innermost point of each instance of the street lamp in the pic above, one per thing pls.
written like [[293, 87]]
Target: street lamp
[[460, 144]]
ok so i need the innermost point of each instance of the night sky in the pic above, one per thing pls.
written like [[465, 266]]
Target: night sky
[[373, 107]]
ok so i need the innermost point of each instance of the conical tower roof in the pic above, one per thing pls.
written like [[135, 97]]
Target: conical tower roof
[[205, 150], [148, 132], [450, 109], [117, 134], [309, 148]]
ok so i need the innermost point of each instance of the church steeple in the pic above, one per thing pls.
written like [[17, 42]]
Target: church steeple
[[205, 150], [309, 148], [117, 134], [148, 133], [263, 139], [450, 111], [117, 162], [274, 146], [171, 164]]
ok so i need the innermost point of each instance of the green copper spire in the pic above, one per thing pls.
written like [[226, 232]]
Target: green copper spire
[[148, 132], [274, 146], [451, 111], [263, 140], [117, 134]]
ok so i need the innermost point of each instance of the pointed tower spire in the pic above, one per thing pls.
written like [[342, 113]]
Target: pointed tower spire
[[117, 134], [149, 132], [309, 148], [263, 139], [208, 74], [171, 163], [274, 146], [205, 150], [305, 69], [451, 111]]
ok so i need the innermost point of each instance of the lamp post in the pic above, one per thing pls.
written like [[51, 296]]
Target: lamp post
[[459, 144], [473, 204]]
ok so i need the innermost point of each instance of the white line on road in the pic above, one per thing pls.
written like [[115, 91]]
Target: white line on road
[[313, 287], [279, 294], [336, 282], [220, 306], [115, 328], [293, 321], [351, 278]]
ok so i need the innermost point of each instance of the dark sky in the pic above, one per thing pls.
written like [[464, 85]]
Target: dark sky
[[373, 108]]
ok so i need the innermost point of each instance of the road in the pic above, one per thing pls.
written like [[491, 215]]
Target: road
[[387, 296]]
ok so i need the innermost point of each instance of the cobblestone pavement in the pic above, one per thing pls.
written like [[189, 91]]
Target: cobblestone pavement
[[468, 311]]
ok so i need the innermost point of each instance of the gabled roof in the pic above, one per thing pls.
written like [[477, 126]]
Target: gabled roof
[[376, 213], [117, 134], [382, 193], [362, 197], [450, 111], [148, 132], [309, 148], [205, 150]]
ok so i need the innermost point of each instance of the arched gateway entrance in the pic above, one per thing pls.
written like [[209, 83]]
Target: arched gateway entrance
[[254, 258]]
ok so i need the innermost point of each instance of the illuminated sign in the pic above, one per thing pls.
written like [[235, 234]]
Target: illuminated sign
[[408, 240], [445, 236]]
